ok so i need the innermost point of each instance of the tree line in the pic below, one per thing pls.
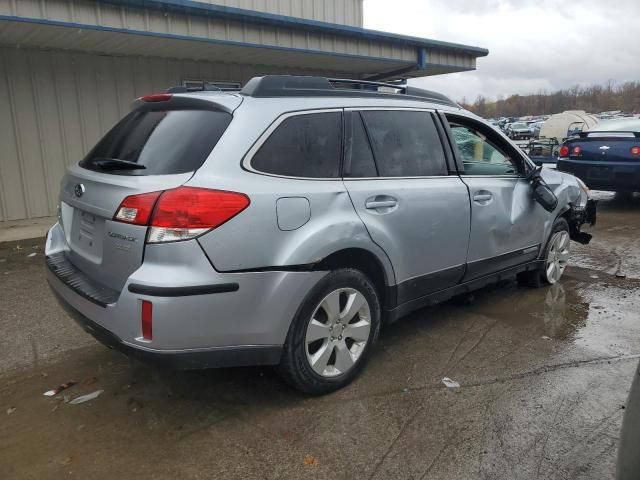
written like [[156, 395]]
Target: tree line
[[593, 99]]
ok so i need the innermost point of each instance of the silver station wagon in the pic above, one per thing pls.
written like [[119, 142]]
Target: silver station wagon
[[286, 222]]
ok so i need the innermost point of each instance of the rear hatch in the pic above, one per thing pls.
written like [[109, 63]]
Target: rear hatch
[[156, 147]]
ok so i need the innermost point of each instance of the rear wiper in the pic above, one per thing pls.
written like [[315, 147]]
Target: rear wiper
[[116, 163]]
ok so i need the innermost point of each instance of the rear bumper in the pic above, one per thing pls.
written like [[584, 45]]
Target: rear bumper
[[201, 317], [217, 357], [615, 176]]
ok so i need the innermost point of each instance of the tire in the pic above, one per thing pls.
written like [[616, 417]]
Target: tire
[[556, 256], [317, 333]]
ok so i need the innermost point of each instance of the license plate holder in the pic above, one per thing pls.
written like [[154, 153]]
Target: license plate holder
[[601, 173]]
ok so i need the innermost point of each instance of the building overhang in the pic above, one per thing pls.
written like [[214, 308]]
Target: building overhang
[[185, 29]]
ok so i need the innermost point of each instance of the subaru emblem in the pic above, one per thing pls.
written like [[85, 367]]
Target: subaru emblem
[[79, 190]]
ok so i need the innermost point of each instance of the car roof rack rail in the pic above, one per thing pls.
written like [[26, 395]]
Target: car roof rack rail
[[205, 87], [301, 86]]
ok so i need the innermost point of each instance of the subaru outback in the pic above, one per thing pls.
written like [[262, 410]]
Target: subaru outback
[[286, 222]]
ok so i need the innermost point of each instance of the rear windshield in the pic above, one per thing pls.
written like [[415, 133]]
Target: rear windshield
[[162, 141]]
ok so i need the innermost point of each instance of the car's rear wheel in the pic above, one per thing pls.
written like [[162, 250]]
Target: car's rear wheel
[[332, 334], [555, 258]]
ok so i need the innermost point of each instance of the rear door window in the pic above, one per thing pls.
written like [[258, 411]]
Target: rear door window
[[162, 141], [305, 145], [405, 143]]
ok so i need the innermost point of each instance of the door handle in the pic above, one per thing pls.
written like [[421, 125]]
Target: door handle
[[373, 204], [482, 197], [380, 201]]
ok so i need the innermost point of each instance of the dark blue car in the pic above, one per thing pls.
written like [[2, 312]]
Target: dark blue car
[[607, 158]]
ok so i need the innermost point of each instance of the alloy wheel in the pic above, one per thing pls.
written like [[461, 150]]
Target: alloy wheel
[[558, 256], [338, 332]]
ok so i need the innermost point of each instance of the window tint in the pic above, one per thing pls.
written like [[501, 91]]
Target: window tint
[[479, 155], [163, 141], [360, 161], [306, 145], [406, 144]]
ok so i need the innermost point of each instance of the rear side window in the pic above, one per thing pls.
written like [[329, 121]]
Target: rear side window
[[307, 145], [162, 141], [406, 144]]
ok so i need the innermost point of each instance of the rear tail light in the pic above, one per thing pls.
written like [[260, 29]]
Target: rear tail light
[[577, 150], [564, 151], [181, 213], [635, 151], [137, 209]]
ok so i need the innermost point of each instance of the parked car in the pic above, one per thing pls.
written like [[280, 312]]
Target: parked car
[[518, 131], [606, 158], [535, 128], [284, 223]]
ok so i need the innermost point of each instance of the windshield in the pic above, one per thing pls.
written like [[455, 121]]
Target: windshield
[[518, 125], [158, 142]]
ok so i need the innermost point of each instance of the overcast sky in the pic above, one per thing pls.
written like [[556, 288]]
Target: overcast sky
[[533, 44]]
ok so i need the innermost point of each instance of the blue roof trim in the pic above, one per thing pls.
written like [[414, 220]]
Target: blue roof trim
[[422, 58], [173, 36], [191, 7]]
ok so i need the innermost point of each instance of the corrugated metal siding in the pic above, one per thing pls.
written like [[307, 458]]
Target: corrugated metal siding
[[345, 12], [56, 105], [93, 13]]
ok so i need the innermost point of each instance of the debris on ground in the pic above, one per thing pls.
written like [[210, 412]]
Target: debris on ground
[[311, 460], [544, 337], [619, 274], [57, 390], [32, 255], [86, 398], [10, 410], [134, 404], [450, 383]]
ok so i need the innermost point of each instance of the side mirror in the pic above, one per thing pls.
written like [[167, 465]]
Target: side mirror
[[541, 191], [544, 196]]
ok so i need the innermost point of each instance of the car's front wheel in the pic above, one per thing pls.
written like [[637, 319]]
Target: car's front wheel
[[555, 259], [557, 255], [332, 334]]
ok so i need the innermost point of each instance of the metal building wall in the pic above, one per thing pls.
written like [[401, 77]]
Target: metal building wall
[[157, 22], [55, 105], [345, 12]]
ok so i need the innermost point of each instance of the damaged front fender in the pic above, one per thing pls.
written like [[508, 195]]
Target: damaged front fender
[[577, 217]]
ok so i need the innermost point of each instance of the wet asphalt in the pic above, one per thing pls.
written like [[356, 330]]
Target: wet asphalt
[[544, 376]]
